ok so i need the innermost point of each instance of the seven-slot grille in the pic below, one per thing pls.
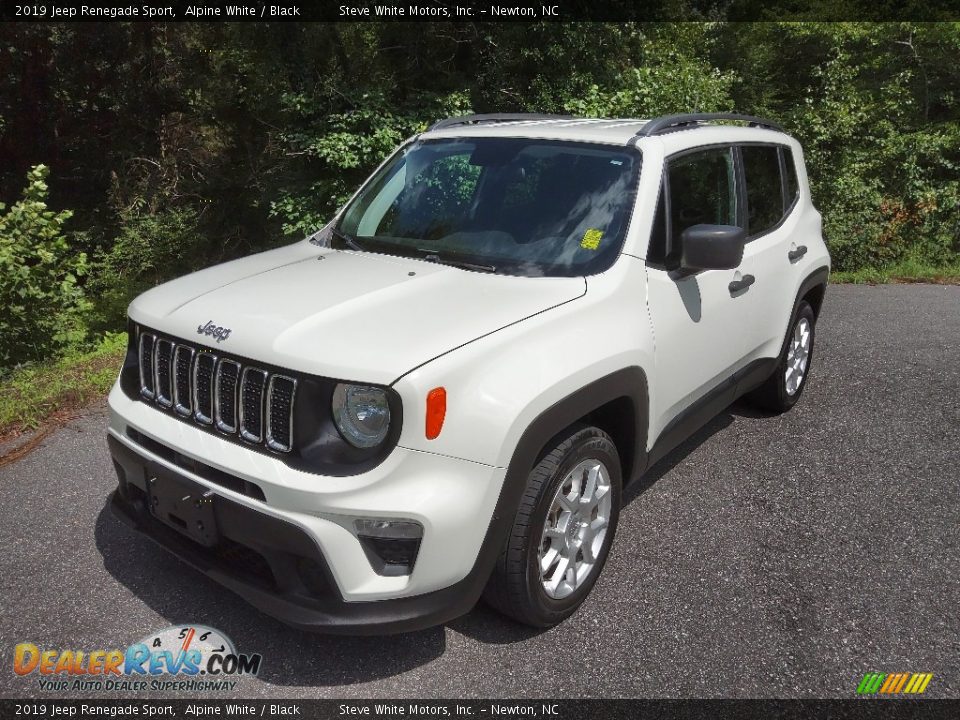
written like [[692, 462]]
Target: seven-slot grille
[[218, 392]]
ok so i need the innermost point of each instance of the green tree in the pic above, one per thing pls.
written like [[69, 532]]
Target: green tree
[[41, 302], [180, 146], [875, 107]]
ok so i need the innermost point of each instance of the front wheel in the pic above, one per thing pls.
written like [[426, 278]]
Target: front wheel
[[781, 390], [562, 532]]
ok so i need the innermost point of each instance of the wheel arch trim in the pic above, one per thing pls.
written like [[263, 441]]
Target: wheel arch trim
[[814, 279], [629, 382]]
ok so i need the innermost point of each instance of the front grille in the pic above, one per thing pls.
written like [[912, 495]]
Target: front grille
[[228, 375], [146, 367], [280, 408], [251, 404], [162, 360], [183, 369], [203, 394], [238, 398]]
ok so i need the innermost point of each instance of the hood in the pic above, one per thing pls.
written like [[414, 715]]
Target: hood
[[343, 314]]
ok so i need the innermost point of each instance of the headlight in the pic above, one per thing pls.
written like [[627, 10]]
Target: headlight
[[362, 414]]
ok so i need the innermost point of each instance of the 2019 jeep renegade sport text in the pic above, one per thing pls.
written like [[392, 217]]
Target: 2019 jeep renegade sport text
[[442, 393]]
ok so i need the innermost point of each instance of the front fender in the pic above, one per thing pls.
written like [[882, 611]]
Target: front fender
[[498, 386]]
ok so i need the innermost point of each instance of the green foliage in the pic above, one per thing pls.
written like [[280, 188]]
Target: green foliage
[[338, 151], [180, 147], [662, 89], [147, 250], [672, 73], [31, 393], [582, 69], [875, 107], [41, 301], [903, 271]]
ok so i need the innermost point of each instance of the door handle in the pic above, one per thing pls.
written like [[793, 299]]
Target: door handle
[[798, 253], [741, 284]]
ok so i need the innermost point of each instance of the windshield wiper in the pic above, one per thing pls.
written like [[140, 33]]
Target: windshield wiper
[[428, 255], [347, 240], [463, 264]]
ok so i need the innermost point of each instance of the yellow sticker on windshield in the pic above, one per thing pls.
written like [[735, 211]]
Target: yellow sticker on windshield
[[591, 239]]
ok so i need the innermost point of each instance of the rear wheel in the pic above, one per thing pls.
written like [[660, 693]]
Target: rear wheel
[[781, 390], [562, 532]]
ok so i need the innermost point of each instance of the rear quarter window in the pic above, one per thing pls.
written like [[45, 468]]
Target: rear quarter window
[[765, 197], [791, 185]]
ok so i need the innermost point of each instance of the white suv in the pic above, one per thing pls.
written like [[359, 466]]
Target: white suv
[[442, 393]]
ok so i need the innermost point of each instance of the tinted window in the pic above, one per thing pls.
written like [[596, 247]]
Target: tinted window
[[761, 166], [792, 186], [530, 207], [702, 191], [657, 250]]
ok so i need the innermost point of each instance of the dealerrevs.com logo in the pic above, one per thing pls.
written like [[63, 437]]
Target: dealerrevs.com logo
[[191, 658]]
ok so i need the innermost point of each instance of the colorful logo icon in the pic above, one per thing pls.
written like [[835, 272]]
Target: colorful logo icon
[[894, 683], [194, 651]]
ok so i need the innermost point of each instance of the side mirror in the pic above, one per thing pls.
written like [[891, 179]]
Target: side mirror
[[712, 247]]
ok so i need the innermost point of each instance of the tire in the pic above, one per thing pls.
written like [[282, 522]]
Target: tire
[[584, 458], [781, 391]]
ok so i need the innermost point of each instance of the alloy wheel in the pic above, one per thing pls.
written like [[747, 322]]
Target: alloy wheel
[[798, 356], [575, 528]]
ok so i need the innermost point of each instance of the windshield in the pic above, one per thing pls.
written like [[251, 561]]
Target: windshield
[[507, 205]]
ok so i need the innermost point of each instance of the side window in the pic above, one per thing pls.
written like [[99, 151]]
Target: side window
[[791, 184], [761, 167], [702, 191], [657, 249]]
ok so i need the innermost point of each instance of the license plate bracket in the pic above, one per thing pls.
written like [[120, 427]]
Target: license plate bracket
[[183, 505]]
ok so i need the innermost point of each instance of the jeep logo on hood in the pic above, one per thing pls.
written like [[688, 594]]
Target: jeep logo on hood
[[220, 333]]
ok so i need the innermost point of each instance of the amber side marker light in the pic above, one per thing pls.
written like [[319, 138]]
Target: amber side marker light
[[436, 411]]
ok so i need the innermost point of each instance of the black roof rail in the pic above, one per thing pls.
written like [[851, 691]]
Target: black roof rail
[[494, 118], [671, 123]]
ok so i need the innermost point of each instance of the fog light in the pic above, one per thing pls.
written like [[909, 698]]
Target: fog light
[[391, 546]]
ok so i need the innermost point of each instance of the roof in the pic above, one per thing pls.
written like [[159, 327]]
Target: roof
[[620, 131]]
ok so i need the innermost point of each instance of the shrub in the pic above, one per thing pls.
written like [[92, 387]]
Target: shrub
[[42, 306], [148, 249]]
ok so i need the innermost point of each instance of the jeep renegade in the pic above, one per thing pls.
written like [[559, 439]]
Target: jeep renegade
[[442, 394]]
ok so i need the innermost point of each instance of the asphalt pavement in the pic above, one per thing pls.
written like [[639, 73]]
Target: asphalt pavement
[[766, 557]]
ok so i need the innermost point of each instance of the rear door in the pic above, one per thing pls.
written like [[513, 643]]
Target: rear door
[[771, 194], [699, 325]]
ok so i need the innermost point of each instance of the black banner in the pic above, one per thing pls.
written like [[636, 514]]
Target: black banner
[[470, 709], [474, 10]]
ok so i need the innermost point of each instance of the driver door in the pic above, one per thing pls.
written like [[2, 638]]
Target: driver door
[[699, 323]]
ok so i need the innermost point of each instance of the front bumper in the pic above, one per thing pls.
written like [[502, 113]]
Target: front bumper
[[288, 549]]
